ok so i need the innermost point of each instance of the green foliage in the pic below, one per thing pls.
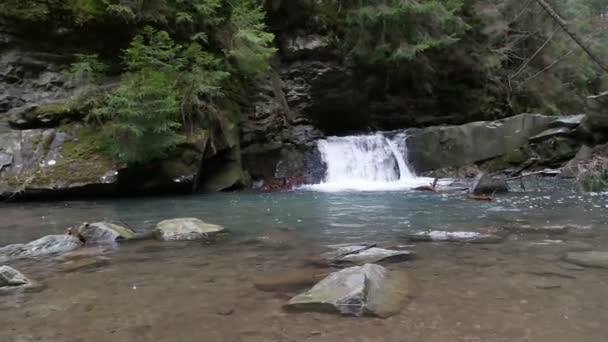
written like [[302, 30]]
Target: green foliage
[[251, 45], [168, 87], [87, 69], [396, 31], [141, 114]]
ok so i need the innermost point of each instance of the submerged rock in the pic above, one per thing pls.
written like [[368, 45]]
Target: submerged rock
[[489, 236], [361, 290], [10, 278], [84, 264], [186, 229], [590, 259], [49, 244], [99, 232], [360, 255], [290, 280]]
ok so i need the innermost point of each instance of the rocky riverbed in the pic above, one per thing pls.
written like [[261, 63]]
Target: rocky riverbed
[[541, 284]]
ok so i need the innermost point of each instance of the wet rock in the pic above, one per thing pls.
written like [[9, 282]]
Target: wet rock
[[100, 232], [290, 280], [570, 267], [489, 236], [588, 259], [49, 244], [359, 255], [551, 133], [361, 290], [84, 264], [187, 229], [10, 278], [486, 185], [546, 284], [572, 121]]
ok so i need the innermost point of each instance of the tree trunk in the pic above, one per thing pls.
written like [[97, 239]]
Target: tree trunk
[[564, 25]]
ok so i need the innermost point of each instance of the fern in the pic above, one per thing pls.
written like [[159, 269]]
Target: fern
[[251, 45]]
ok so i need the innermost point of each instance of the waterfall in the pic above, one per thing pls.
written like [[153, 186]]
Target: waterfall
[[366, 163]]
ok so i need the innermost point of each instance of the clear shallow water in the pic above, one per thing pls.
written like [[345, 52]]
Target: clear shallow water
[[159, 291], [341, 215]]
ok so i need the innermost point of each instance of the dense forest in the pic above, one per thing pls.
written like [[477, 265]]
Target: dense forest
[[248, 86], [180, 62]]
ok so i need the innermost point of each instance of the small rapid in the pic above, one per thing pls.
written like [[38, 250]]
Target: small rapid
[[366, 163]]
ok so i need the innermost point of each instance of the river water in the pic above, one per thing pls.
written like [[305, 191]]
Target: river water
[[518, 290], [160, 291]]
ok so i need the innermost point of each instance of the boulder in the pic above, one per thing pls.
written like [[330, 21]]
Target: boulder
[[10, 278], [439, 147], [488, 236], [302, 46], [589, 259], [571, 169], [487, 185], [360, 290], [42, 161], [290, 280], [571, 121], [550, 133], [187, 229], [556, 149], [50, 244], [100, 232], [359, 255], [230, 175]]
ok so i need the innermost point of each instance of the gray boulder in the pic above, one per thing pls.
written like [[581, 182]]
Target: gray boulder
[[359, 255], [453, 146], [590, 259], [361, 290], [100, 232], [187, 229], [487, 185], [551, 133], [10, 278], [47, 160], [572, 121], [50, 244]]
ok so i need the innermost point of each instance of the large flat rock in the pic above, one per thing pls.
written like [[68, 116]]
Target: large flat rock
[[589, 259], [186, 229], [50, 244], [439, 147], [360, 290], [100, 232]]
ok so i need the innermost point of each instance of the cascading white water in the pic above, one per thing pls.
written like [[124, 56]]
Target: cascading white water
[[366, 163]]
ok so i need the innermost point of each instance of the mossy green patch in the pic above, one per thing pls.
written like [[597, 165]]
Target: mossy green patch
[[82, 161]]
